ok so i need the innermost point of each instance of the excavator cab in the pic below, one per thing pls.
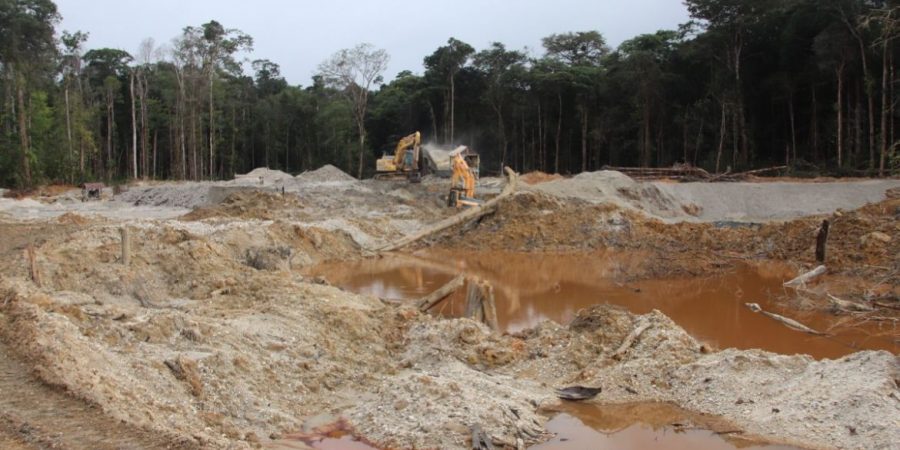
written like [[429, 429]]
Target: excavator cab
[[405, 163]]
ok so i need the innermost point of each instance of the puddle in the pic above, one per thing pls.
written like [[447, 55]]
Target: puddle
[[578, 426], [531, 288], [332, 436], [641, 426]]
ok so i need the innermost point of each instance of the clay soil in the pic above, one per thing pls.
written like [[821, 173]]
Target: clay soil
[[211, 337]]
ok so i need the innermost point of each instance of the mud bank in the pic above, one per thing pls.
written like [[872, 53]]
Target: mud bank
[[213, 337]]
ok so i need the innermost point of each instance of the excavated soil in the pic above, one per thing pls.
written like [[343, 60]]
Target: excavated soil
[[212, 337]]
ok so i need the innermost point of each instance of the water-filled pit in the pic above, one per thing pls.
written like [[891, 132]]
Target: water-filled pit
[[533, 287]]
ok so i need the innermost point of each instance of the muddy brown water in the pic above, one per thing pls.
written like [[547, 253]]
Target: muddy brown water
[[533, 287], [630, 426], [638, 426]]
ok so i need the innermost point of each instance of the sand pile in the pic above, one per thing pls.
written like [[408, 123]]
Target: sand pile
[[607, 186], [768, 201], [538, 177], [325, 174], [187, 195], [264, 175], [248, 204]]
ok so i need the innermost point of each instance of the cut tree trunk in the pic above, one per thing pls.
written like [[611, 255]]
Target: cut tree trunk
[[23, 130]]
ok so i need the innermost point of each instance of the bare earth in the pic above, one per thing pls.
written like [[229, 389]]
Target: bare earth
[[211, 338]]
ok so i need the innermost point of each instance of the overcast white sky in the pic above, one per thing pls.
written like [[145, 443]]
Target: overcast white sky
[[298, 35]]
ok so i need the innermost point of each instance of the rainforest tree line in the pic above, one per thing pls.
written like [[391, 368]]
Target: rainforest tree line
[[745, 84]]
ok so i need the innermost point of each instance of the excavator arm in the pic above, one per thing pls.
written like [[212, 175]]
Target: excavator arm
[[462, 181]]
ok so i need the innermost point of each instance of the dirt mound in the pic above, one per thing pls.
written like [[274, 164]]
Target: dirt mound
[[248, 204], [532, 221], [774, 200], [187, 195], [538, 177], [71, 218], [892, 193], [608, 186], [264, 175], [325, 174]]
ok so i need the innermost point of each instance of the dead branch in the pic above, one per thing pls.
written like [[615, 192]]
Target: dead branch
[[629, 340], [808, 276], [886, 305], [790, 323], [465, 216], [845, 305], [427, 302], [741, 175]]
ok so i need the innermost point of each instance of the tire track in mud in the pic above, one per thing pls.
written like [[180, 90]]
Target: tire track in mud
[[34, 415]]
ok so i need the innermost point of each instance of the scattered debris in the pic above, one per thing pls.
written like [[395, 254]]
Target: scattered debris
[[578, 393]]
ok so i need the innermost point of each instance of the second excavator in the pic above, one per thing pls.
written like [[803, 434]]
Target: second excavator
[[406, 161], [462, 181]]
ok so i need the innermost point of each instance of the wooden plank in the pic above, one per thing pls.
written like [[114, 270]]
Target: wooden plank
[[474, 310], [489, 306]]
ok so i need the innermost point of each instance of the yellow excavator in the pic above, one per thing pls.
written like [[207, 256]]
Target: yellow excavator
[[405, 163], [462, 181]]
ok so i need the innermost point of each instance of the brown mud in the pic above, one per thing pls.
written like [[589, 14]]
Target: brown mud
[[215, 335]]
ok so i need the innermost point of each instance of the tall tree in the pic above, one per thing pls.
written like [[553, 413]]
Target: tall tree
[[583, 53], [221, 44], [107, 68], [503, 69], [27, 48], [355, 72], [71, 79], [445, 63]]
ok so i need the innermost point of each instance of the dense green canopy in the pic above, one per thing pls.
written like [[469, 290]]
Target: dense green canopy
[[806, 83]]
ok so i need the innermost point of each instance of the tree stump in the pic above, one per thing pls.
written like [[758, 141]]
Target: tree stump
[[32, 265], [821, 240], [126, 246]]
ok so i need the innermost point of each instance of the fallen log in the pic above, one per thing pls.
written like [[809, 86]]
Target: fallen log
[[845, 305], [629, 340], [427, 302], [740, 175], [787, 321], [808, 276], [464, 216]]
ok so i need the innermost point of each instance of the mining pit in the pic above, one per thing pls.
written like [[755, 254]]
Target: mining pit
[[263, 312]]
